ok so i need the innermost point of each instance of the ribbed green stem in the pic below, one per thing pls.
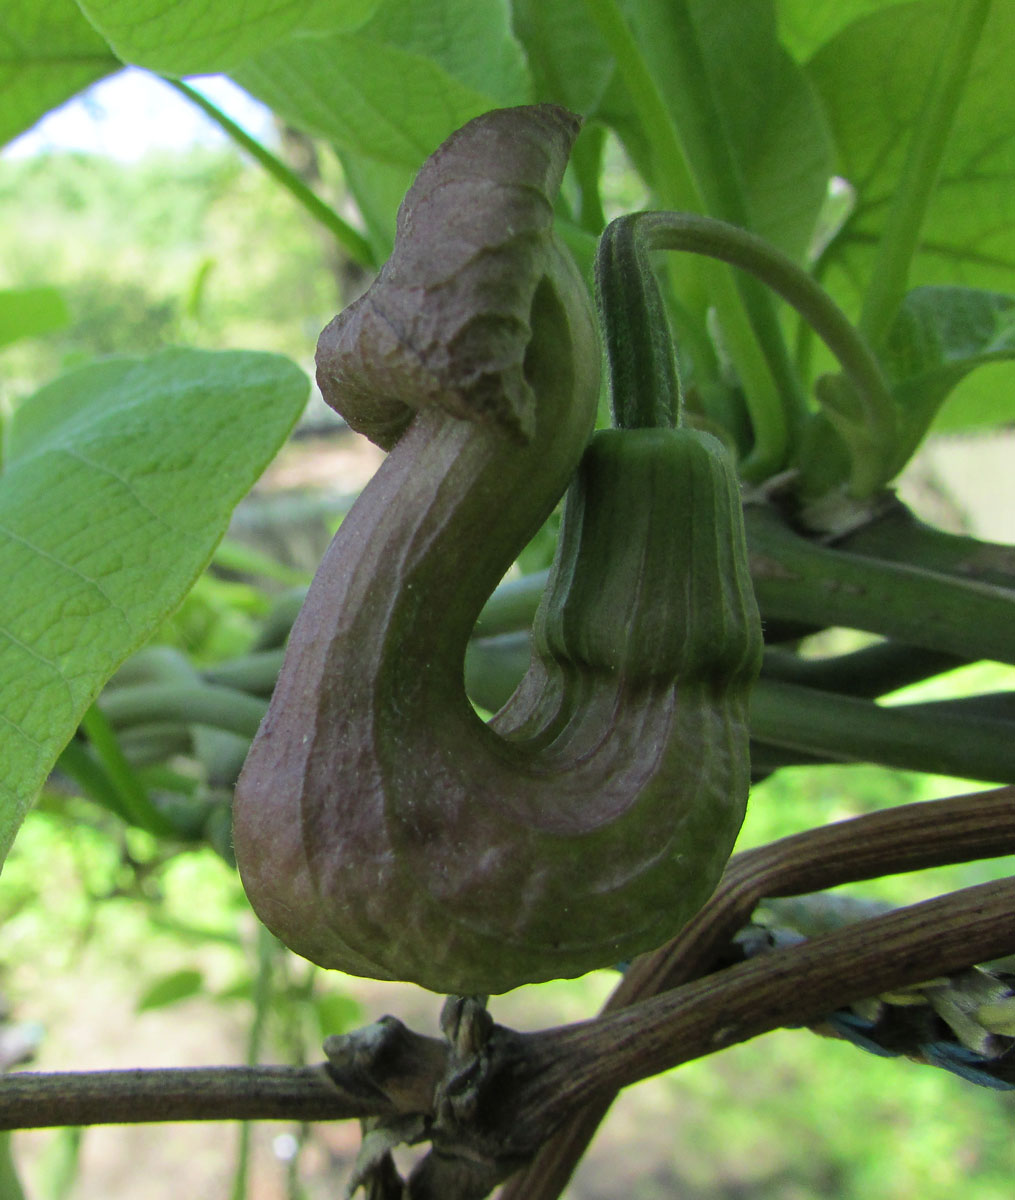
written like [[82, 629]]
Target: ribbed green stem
[[873, 671], [874, 444], [350, 239], [913, 191], [798, 580], [848, 729], [644, 388], [898, 535]]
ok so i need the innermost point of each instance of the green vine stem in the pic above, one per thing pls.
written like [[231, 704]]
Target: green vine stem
[[911, 738], [871, 672], [350, 239], [267, 949], [911, 196], [797, 580], [134, 799], [196, 704], [821, 710], [380, 826], [897, 535], [255, 673], [870, 431]]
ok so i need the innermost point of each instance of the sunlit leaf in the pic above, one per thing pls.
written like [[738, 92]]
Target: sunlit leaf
[[872, 79], [48, 52], [30, 311], [805, 25], [396, 88], [940, 335], [170, 989], [193, 37], [119, 483], [570, 61]]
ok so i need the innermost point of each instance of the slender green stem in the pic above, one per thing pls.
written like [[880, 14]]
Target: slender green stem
[[673, 179], [677, 189], [797, 580], [912, 193], [94, 776], [198, 704], [873, 671], [512, 606], [255, 673], [91, 777], [494, 667], [267, 948], [916, 738], [718, 239], [133, 796], [668, 36], [896, 534], [587, 166], [351, 240]]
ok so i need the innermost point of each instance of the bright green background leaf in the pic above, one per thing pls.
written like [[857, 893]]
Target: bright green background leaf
[[394, 90], [984, 398], [120, 481], [170, 989], [570, 62], [872, 79], [941, 335], [775, 127], [30, 311], [48, 52], [193, 37], [472, 40], [777, 150], [805, 25]]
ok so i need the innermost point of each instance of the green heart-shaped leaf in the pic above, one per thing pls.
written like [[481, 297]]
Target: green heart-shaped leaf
[[119, 481]]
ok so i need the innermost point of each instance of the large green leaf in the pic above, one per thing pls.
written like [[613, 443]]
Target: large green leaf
[[775, 128], [378, 188], [48, 52], [193, 37], [30, 311], [472, 40], [119, 482], [872, 79], [570, 62], [940, 336], [805, 25], [394, 90], [755, 104]]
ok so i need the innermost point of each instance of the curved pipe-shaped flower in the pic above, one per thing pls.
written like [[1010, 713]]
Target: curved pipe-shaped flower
[[381, 827]]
